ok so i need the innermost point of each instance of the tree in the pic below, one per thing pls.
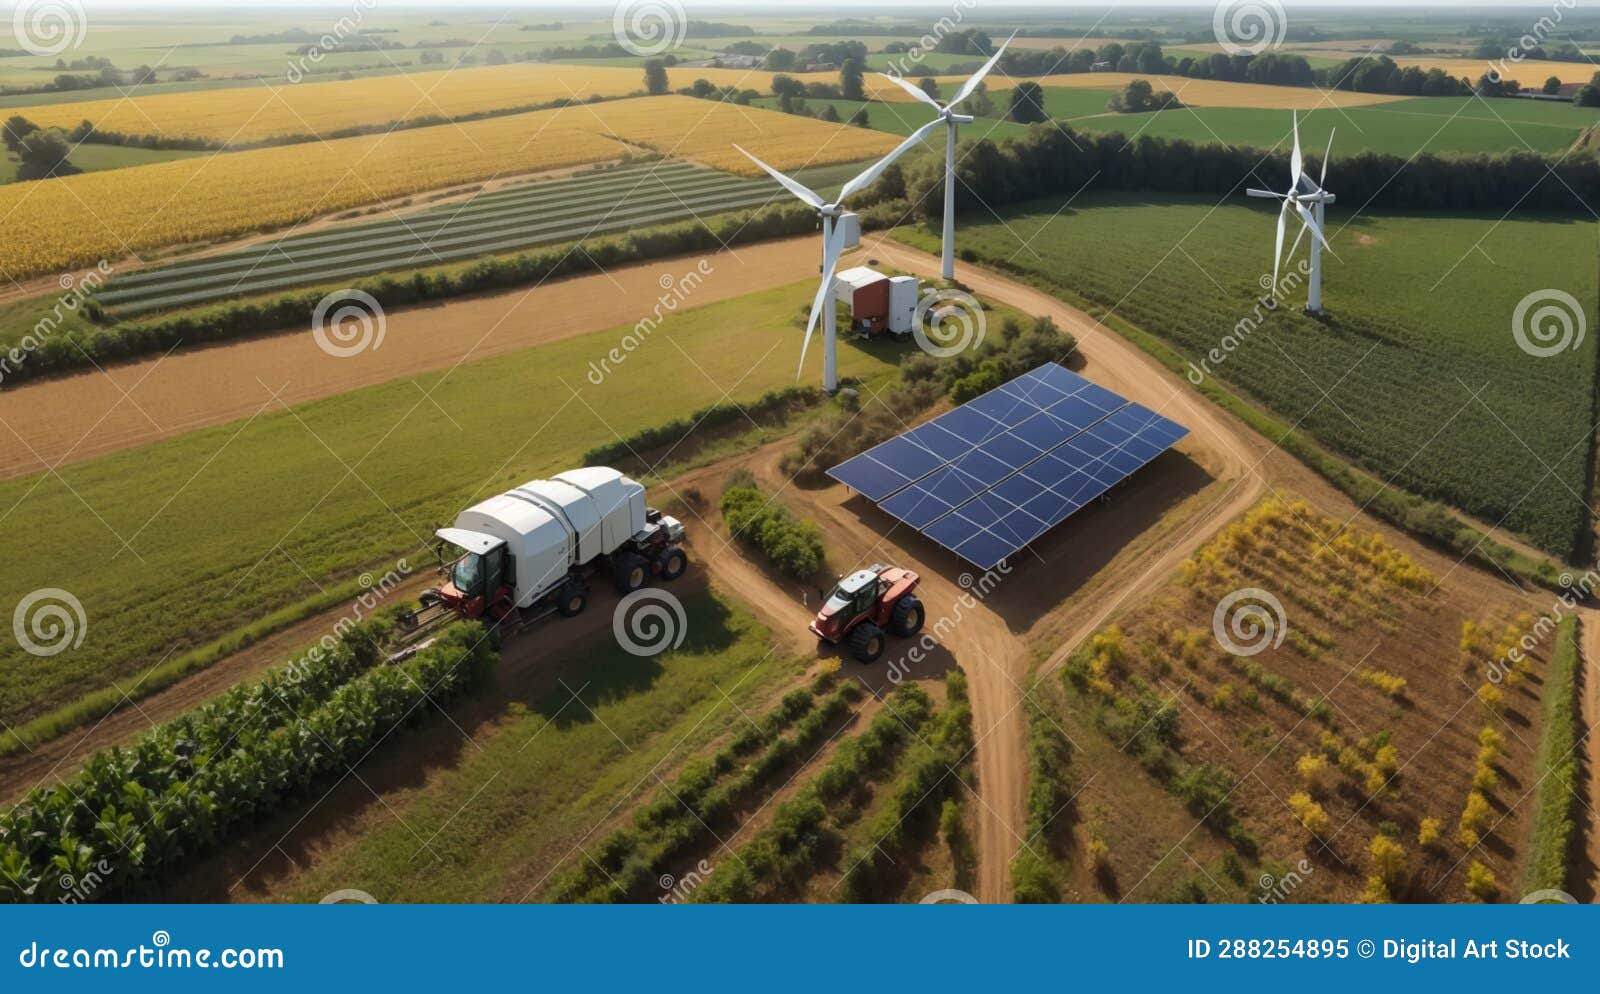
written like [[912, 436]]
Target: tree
[[1027, 104], [15, 127], [43, 153], [1587, 96], [850, 81], [979, 103], [930, 86], [859, 118], [655, 77], [1552, 85], [779, 60], [828, 113]]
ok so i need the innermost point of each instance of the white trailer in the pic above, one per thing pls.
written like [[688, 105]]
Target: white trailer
[[532, 548]]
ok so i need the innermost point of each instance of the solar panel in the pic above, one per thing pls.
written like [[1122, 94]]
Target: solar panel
[[992, 475]]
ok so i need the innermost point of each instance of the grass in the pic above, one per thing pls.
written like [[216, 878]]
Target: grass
[[1556, 796], [1414, 373], [353, 480], [547, 771]]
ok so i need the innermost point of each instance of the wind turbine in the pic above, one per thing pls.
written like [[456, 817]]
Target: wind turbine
[[833, 235], [1308, 199], [948, 115]]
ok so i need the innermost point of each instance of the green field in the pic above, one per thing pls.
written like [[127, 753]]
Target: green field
[[231, 523], [1420, 321], [1434, 124], [93, 158], [548, 770]]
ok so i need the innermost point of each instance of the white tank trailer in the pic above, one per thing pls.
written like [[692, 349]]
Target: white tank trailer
[[530, 550]]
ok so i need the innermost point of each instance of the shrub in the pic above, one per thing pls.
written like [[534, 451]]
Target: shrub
[[1428, 833], [1387, 860], [1480, 881], [1390, 684], [1490, 696], [1475, 819], [793, 546], [1313, 772], [1557, 792], [1310, 813]]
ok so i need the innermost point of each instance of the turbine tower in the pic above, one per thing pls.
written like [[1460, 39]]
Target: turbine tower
[[1308, 199], [833, 235], [948, 115]]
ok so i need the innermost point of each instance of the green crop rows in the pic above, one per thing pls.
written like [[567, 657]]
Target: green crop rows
[[510, 218], [1415, 373]]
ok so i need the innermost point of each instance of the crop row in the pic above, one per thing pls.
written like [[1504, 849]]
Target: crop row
[[705, 797], [133, 814]]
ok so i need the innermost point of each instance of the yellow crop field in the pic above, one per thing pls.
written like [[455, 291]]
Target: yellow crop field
[[250, 115], [1194, 92], [1530, 72], [705, 130], [78, 220]]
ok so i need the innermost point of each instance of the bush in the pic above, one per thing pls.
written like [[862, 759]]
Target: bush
[[1310, 813], [793, 546], [1428, 833], [1480, 881]]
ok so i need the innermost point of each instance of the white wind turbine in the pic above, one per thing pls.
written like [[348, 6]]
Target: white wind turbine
[[1308, 199], [833, 235], [948, 115]]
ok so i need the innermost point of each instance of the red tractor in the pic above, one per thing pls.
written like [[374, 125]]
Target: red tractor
[[865, 605]]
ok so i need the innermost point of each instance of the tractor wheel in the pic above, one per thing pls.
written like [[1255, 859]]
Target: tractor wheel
[[630, 572], [571, 600], [907, 617], [867, 642], [672, 563]]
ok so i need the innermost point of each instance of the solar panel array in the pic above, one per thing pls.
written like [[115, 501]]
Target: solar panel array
[[992, 475]]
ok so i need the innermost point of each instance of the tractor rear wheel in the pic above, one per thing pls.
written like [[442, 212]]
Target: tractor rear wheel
[[672, 563], [907, 617], [571, 600], [630, 572], [867, 642]]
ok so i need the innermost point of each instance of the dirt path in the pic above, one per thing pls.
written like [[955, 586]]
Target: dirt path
[[998, 678], [90, 414], [1589, 717]]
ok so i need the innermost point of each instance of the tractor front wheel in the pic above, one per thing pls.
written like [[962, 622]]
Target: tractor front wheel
[[907, 617], [630, 572], [867, 642]]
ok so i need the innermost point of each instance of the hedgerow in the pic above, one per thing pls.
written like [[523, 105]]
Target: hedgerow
[[1556, 798]]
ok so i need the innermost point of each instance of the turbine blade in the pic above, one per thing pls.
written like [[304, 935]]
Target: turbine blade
[[1277, 252], [877, 168], [1296, 246], [1296, 160], [831, 250], [794, 187], [1325, 157], [1265, 193], [915, 91], [977, 77], [1311, 222]]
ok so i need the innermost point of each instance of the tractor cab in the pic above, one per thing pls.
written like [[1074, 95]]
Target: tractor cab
[[476, 569], [852, 596]]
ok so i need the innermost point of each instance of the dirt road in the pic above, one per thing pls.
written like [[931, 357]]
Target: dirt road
[[90, 414]]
